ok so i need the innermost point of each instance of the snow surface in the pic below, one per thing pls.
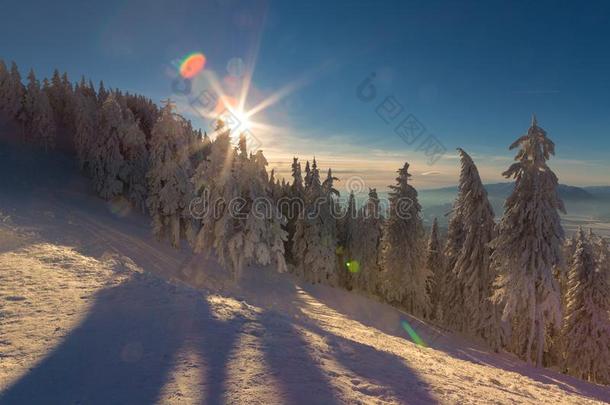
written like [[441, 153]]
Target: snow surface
[[94, 310]]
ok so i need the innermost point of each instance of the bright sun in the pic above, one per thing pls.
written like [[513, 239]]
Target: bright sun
[[242, 122]]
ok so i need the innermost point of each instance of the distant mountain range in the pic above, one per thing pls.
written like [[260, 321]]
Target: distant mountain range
[[503, 190], [592, 202]]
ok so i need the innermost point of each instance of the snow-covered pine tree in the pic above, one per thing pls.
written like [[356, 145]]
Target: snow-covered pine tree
[[451, 293], [586, 328], [56, 93], [569, 248], [102, 93], [69, 104], [349, 273], [292, 205], [436, 268], [215, 186], [107, 159], [38, 116], [85, 123], [133, 174], [307, 179], [330, 210], [528, 248], [366, 245], [200, 149], [472, 261], [258, 237], [603, 254], [169, 188], [144, 110], [315, 238], [11, 92], [404, 274], [29, 105], [297, 179], [4, 78]]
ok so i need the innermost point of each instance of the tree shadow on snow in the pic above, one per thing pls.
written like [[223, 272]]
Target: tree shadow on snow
[[388, 319], [372, 372], [124, 351]]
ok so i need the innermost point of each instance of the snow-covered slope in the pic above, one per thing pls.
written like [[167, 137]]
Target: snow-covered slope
[[93, 310]]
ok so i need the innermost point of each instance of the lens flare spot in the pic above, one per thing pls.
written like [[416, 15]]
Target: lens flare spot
[[412, 334], [192, 64], [353, 266], [119, 206]]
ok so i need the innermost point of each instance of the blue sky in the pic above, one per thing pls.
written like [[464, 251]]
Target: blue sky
[[472, 73]]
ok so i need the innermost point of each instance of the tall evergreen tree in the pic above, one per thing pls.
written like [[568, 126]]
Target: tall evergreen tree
[[528, 248], [11, 92], [471, 262], [257, 236], [85, 123], [404, 274], [315, 238], [348, 227], [133, 146], [365, 249], [586, 328], [107, 158], [435, 266], [39, 124], [170, 191], [297, 178], [307, 179], [293, 205]]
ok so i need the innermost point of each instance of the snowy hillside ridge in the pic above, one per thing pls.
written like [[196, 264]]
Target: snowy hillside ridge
[[95, 311], [507, 283]]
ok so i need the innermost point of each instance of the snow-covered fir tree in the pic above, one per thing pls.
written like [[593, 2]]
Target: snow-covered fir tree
[[471, 262], [102, 93], [347, 224], [451, 291], [238, 219], [586, 328], [215, 186], [37, 115], [293, 205], [133, 173], [86, 123], [297, 179], [107, 158], [308, 174], [200, 148], [365, 245], [404, 274], [169, 187], [528, 248], [315, 238], [258, 237], [11, 91], [4, 83], [58, 97], [145, 111], [436, 268], [603, 254]]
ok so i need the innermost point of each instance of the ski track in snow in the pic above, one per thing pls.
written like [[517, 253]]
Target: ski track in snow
[[93, 310]]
